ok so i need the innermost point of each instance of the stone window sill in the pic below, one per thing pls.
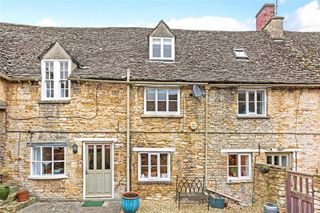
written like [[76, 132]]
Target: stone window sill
[[54, 102], [235, 181], [47, 178], [253, 117], [154, 182], [161, 116]]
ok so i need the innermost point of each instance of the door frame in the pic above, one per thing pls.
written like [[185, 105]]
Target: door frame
[[86, 141]]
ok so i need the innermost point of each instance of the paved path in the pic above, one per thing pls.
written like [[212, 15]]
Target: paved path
[[66, 207]]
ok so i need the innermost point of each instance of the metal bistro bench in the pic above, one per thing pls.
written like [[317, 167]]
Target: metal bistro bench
[[190, 189]]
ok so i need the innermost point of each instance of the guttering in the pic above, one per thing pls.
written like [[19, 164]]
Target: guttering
[[210, 84], [140, 82], [5, 77], [128, 132]]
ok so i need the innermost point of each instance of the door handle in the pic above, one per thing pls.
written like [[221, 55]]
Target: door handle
[[86, 171]]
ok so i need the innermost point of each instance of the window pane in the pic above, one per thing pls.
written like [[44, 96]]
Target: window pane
[[242, 108], [173, 95], [244, 171], [269, 159], [58, 168], [260, 108], [107, 157], [99, 157], [144, 159], [49, 89], [49, 70], [58, 153], [144, 171], [47, 154], [260, 96], [164, 171], [163, 165], [284, 161], [244, 160], [154, 160], [251, 96], [63, 70], [163, 159], [151, 94], [233, 171], [64, 87], [167, 48], [91, 158], [162, 95], [46, 168], [173, 106], [233, 160], [156, 48], [36, 168], [251, 107], [154, 171], [36, 154], [276, 160], [241, 96], [251, 101], [162, 106], [151, 106], [154, 165]]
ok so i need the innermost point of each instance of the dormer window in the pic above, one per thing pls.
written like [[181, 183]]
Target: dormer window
[[55, 83], [240, 53], [162, 48]]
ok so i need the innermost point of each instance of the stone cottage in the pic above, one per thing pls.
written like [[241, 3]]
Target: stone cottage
[[93, 112]]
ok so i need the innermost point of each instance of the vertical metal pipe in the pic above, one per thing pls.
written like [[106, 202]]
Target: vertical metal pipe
[[128, 131], [206, 136]]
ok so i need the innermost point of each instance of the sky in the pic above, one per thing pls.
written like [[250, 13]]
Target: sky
[[234, 15]]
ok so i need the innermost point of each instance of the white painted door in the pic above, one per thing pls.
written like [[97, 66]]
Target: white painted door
[[98, 170]]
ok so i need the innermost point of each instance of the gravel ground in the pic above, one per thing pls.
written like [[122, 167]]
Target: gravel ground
[[170, 206]]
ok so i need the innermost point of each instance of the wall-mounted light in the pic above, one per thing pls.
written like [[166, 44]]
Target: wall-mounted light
[[75, 148]]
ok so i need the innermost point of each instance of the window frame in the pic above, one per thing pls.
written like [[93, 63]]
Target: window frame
[[159, 178], [52, 176], [56, 79], [248, 113], [162, 113], [161, 58], [240, 178], [280, 155], [236, 50]]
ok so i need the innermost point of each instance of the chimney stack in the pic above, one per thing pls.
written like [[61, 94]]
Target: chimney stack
[[266, 20]]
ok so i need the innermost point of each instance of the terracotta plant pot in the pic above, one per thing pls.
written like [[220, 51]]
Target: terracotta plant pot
[[22, 195], [225, 203], [4, 192]]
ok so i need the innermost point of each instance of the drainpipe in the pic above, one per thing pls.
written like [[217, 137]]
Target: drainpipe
[[206, 137], [128, 131]]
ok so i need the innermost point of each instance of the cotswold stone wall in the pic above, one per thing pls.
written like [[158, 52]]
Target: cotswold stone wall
[[270, 187], [290, 111]]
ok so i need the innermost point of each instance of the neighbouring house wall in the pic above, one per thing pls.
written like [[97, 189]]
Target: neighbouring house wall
[[290, 111], [3, 99], [270, 187], [317, 193]]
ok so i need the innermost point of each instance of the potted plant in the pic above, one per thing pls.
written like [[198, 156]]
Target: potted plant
[[130, 202], [4, 192], [264, 169], [22, 195], [233, 171]]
